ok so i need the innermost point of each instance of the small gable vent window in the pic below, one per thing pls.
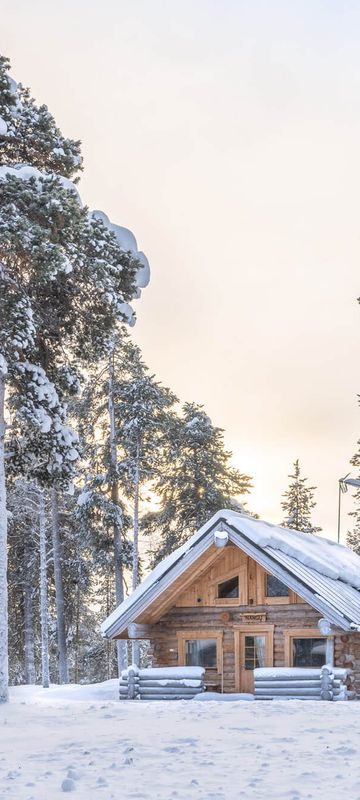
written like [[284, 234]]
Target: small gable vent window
[[229, 588], [275, 588]]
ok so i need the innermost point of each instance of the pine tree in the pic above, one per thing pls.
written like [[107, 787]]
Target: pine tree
[[298, 503], [28, 133], [197, 481], [65, 283], [141, 407], [100, 511]]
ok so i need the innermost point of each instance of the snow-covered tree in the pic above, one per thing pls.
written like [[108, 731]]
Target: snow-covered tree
[[122, 421], [99, 509], [197, 482], [23, 572], [141, 407], [28, 132], [298, 503], [65, 283]]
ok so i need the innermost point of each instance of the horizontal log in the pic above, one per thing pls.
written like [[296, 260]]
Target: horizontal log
[[124, 682], [288, 697], [170, 690], [296, 692], [144, 685], [309, 674], [137, 631], [286, 684], [165, 697]]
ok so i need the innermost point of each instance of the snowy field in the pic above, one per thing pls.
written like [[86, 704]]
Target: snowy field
[[81, 738]]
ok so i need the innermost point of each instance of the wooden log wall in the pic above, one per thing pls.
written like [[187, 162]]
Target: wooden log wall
[[164, 641], [164, 647]]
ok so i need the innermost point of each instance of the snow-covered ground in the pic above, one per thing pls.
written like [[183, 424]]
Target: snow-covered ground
[[81, 738]]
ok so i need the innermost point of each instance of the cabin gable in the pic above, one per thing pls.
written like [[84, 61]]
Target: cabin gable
[[198, 586], [235, 579]]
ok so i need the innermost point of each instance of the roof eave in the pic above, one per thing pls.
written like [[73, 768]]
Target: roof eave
[[175, 571]]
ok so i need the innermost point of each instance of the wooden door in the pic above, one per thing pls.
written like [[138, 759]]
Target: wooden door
[[253, 648]]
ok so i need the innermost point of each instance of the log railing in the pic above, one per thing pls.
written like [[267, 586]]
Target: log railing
[[163, 683], [283, 683]]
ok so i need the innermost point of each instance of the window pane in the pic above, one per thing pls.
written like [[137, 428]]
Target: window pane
[[254, 652], [201, 653], [309, 652], [275, 588], [229, 588]]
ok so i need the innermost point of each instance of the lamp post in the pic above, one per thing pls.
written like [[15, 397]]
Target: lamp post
[[343, 487]]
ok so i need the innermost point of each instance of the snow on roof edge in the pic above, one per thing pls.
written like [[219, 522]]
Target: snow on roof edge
[[160, 570], [314, 551]]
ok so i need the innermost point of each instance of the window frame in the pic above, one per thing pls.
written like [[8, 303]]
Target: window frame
[[286, 599], [277, 599], [299, 633], [227, 580], [204, 633], [242, 600]]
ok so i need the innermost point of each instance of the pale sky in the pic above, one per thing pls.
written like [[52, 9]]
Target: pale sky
[[226, 135]]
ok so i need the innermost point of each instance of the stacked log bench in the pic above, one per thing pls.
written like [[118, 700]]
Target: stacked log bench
[[163, 683], [284, 683]]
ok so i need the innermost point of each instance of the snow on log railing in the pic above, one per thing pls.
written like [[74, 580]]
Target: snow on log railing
[[302, 683], [163, 683]]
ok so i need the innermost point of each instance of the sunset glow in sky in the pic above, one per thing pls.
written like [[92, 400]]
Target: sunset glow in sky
[[226, 135]]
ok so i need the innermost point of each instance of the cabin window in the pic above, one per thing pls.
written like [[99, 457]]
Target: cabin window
[[309, 652], [275, 588], [201, 653], [229, 588], [200, 648]]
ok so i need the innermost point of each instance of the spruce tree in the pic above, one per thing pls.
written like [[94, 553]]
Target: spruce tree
[[198, 480], [122, 417], [298, 503], [141, 406], [100, 510]]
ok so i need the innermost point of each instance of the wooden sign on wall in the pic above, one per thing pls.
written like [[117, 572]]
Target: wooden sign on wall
[[253, 617]]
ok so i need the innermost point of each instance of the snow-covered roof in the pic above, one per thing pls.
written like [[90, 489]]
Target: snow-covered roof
[[322, 572]]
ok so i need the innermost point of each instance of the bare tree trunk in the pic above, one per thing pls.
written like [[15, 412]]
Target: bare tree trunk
[[108, 643], [136, 519], [4, 668], [43, 595], [135, 643], [119, 586], [77, 635], [28, 618], [59, 591]]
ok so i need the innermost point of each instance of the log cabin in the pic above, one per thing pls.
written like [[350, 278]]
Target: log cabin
[[242, 593]]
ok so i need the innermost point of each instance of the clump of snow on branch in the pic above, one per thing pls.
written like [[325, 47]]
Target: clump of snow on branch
[[126, 240], [25, 173]]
